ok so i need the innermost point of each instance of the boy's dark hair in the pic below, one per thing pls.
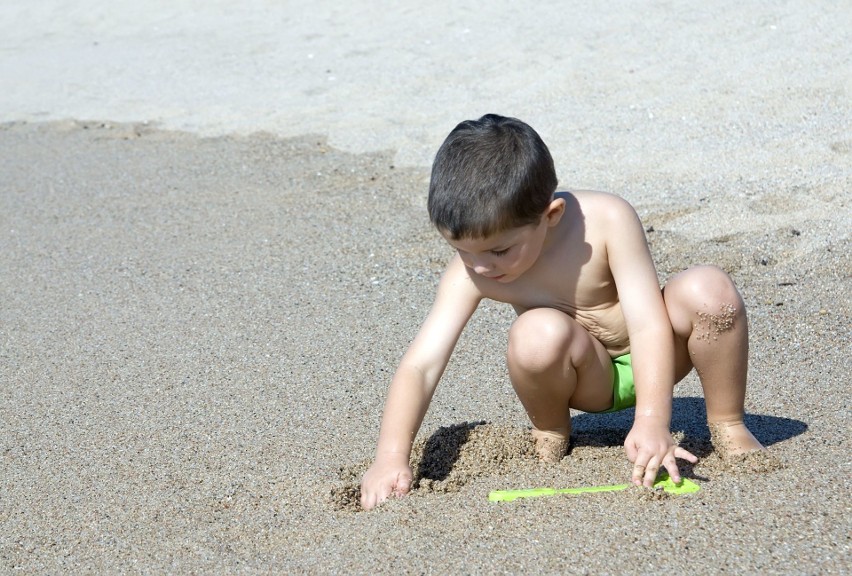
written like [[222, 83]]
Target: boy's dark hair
[[490, 175]]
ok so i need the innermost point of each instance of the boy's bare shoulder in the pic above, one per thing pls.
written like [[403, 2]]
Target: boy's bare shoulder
[[601, 212], [597, 202]]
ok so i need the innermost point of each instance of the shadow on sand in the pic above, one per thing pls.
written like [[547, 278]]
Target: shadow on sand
[[688, 416], [443, 447]]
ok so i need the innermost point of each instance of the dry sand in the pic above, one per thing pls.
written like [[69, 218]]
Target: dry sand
[[196, 333]]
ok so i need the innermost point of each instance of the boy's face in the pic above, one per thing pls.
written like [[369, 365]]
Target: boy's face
[[505, 256]]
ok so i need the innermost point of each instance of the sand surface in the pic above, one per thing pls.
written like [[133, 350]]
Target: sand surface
[[205, 286]]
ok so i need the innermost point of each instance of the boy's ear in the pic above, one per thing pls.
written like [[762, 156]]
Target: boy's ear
[[555, 211]]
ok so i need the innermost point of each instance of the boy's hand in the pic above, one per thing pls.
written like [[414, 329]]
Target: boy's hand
[[387, 476], [649, 446]]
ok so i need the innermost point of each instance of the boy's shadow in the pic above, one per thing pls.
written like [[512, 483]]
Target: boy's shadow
[[688, 416], [442, 450]]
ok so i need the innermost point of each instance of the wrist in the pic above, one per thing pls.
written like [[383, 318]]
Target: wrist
[[653, 416], [392, 455]]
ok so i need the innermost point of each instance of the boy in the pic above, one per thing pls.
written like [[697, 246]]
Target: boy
[[591, 317]]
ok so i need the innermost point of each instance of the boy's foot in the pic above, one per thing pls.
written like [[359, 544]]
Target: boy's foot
[[733, 439], [550, 446]]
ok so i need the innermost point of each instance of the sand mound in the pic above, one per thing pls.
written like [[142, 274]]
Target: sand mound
[[454, 455], [448, 460]]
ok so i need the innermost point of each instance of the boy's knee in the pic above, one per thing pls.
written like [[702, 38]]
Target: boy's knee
[[538, 339], [704, 286]]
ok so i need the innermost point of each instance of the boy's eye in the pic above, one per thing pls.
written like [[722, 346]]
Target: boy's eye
[[500, 252]]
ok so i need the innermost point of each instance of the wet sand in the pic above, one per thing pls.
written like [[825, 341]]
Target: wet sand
[[197, 330]]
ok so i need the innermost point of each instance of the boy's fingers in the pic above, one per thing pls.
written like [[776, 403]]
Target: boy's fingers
[[368, 501], [670, 461], [685, 454], [671, 467], [371, 498], [403, 485], [651, 473], [639, 469], [638, 472]]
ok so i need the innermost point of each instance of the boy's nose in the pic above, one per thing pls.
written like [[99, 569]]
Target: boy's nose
[[481, 267]]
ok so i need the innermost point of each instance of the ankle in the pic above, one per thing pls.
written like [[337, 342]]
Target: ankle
[[550, 445]]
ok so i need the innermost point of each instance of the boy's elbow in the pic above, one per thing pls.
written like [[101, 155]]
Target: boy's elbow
[[412, 374]]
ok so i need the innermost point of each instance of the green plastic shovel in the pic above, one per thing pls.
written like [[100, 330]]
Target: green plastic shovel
[[665, 483]]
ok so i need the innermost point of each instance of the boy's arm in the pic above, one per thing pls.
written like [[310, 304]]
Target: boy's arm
[[649, 444], [414, 383]]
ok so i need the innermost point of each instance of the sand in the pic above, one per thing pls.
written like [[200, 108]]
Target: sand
[[200, 314]]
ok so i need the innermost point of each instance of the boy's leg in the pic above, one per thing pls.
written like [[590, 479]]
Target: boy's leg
[[554, 365], [711, 334]]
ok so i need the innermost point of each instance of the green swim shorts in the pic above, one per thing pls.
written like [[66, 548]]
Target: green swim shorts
[[623, 391]]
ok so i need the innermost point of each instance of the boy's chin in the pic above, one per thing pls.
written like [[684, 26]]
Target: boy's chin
[[506, 279]]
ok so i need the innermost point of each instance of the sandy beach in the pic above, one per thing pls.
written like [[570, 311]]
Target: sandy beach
[[214, 250]]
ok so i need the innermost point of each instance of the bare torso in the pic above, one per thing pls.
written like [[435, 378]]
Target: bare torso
[[572, 275]]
